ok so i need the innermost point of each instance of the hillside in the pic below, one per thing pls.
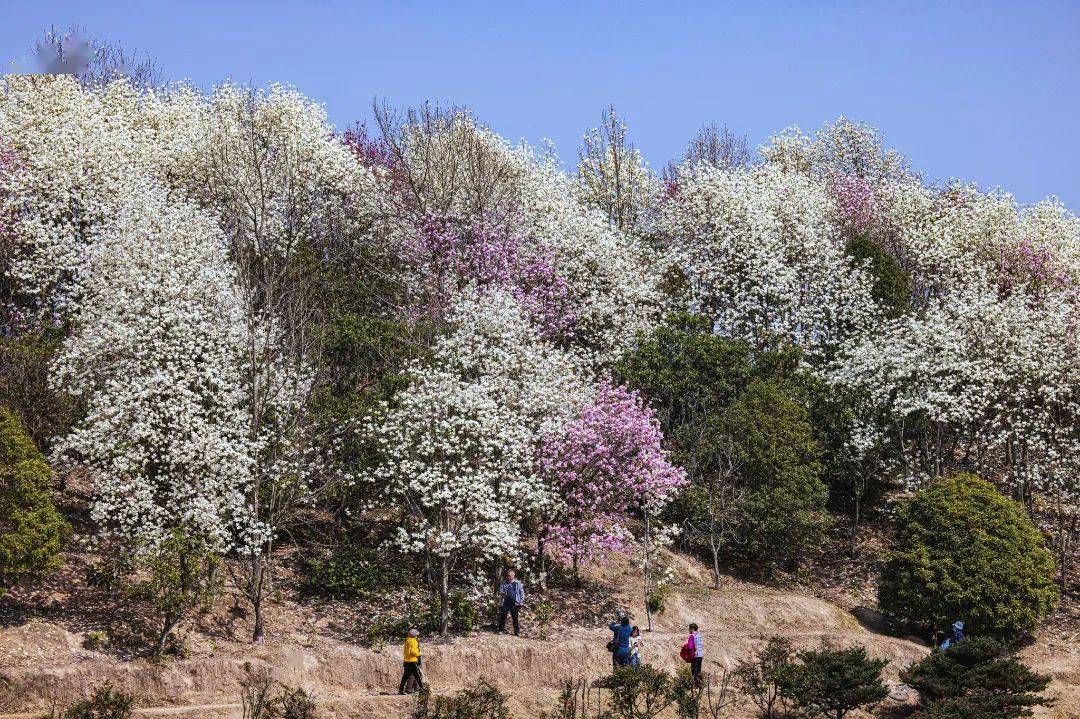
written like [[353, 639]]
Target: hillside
[[44, 660]]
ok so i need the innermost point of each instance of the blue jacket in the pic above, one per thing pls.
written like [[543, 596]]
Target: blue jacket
[[622, 636], [513, 593]]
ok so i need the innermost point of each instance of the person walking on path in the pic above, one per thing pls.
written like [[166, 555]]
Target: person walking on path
[[511, 597], [697, 653], [411, 680], [620, 655]]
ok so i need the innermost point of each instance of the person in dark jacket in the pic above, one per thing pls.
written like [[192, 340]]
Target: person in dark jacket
[[622, 630], [511, 597]]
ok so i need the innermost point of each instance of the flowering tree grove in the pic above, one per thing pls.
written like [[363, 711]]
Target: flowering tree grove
[[221, 275]]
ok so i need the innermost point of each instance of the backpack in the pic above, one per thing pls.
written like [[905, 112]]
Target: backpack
[[613, 645], [686, 653]]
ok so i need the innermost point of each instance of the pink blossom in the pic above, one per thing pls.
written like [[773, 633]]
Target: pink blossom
[[1023, 264], [370, 151], [857, 202], [606, 463], [450, 255]]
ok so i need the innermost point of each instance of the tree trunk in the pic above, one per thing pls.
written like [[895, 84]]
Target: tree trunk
[[541, 560], [258, 592], [648, 608], [167, 626], [1065, 532], [444, 597], [854, 534], [715, 547]]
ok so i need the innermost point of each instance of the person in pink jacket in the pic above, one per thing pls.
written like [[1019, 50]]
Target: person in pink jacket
[[697, 647]]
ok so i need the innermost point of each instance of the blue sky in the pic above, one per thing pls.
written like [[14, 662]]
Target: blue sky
[[988, 91]]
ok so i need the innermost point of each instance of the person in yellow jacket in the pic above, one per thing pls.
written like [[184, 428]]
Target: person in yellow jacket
[[411, 680]]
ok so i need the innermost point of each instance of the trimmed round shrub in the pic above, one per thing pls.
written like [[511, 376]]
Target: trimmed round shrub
[[964, 551], [31, 530]]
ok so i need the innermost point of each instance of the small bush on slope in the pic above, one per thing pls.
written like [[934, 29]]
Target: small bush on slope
[[479, 701], [104, 703], [973, 679], [31, 529], [833, 682]]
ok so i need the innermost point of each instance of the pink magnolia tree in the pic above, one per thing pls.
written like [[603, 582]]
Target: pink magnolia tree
[[604, 466]]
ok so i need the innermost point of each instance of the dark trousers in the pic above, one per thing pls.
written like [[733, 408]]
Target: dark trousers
[[412, 671], [695, 668], [512, 610]]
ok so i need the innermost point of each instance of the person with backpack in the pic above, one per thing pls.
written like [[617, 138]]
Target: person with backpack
[[411, 679], [511, 597], [694, 653], [620, 641]]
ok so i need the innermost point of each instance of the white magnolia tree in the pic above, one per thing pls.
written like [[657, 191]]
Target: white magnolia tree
[[159, 333], [612, 175], [460, 444]]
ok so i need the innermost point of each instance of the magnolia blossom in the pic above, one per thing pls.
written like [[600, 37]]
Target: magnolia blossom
[[155, 357], [612, 175], [837, 150], [614, 279], [763, 257], [604, 465], [448, 258], [976, 382], [76, 151], [575, 270]]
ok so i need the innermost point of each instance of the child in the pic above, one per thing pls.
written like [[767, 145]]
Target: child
[[635, 647]]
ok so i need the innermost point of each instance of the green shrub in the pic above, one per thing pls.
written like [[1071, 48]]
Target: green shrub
[[25, 359], [687, 694], [464, 618], [349, 573], [293, 703], [464, 615], [641, 692], [263, 698], [181, 575], [891, 282], [765, 678], [32, 531], [104, 703], [95, 640], [833, 682], [964, 551], [782, 511], [973, 679], [479, 701], [544, 612]]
